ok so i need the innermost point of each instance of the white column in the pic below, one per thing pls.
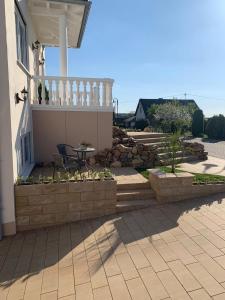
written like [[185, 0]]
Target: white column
[[63, 42]]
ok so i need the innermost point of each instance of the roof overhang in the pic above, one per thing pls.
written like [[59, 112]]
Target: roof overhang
[[46, 14]]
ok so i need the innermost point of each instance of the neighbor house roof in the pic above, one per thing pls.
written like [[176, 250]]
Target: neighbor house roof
[[147, 103]]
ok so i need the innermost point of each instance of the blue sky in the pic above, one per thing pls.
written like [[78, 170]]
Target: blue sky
[[152, 49]]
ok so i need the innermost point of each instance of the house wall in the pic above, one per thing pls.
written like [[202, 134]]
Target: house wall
[[70, 127], [15, 119], [140, 115]]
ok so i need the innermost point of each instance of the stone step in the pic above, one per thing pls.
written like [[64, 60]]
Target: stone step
[[162, 149], [159, 145], [166, 155], [123, 206], [189, 158], [145, 135], [151, 140], [132, 195], [133, 186]]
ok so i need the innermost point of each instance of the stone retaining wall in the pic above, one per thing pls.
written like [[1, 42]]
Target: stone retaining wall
[[178, 187], [42, 205]]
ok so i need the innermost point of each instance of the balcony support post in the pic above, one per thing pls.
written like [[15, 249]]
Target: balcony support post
[[63, 41]]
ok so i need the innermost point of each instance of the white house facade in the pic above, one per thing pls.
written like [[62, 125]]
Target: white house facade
[[39, 111]]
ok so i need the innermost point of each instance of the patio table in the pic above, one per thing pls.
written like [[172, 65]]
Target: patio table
[[82, 155]]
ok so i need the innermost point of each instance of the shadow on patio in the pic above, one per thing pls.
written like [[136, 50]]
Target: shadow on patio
[[89, 245]]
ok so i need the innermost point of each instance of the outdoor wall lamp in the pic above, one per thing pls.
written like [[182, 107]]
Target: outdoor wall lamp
[[35, 45], [24, 92], [42, 62]]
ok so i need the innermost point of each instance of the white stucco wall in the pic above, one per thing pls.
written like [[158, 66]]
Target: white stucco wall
[[15, 119]]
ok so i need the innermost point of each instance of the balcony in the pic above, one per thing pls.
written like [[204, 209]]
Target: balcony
[[71, 93]]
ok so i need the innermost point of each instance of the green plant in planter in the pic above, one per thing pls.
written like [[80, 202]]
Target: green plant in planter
[[101, 175], [40, 178], [19, 180], [173, 144], [93, 174], [59, 176], [83, 176], [30, 180], [107, 173], [85, 145], [76, 175]]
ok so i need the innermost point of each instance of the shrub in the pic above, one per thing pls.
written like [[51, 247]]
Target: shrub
[[141, 124], [215, 128], [198, 123]]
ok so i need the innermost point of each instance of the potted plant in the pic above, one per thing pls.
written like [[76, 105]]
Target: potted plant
[[84, 145]]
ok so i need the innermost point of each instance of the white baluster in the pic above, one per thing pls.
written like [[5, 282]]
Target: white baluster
[[91, 95], [110, 83], [64, 93], [85, 93], [71, 93], [78, 102], [104, 103], [50, 91], [57, 100], [97, 94]]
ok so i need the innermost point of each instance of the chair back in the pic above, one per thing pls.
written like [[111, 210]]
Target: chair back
[[62, 149]]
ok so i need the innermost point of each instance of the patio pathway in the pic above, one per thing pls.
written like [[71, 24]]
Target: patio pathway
[[128, 176], [174, 251], [211, 166]]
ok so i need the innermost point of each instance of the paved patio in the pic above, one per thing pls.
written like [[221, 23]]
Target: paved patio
[[213, 165], [175, 251]]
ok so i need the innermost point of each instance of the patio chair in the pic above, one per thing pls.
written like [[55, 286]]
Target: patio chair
[[64, 160]]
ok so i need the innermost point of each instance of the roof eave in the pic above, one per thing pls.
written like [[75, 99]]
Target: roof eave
[[84, 23], [87, 5]]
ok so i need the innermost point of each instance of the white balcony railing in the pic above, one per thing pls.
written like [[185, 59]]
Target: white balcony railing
[[72, 93]]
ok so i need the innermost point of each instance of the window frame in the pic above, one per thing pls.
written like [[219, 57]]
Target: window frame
[[21, 39], [26, 149]]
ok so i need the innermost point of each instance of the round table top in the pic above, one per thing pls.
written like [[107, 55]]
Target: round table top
[[80, 149]]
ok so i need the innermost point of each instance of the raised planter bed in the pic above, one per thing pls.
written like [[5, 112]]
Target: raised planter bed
[[177, 187], [42, 205]]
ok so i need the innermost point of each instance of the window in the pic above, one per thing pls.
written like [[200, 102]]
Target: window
[[25, 149], [21, 38]]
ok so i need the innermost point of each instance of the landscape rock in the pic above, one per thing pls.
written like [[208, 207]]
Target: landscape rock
[[116, 164]]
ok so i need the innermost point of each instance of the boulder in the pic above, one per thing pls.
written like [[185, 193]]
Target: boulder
[[134, 150], [116, 164], [137, 162]]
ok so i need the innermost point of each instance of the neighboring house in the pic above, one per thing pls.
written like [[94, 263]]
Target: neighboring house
[[145, 104], [121, 118], [55, 109], [130, 122]]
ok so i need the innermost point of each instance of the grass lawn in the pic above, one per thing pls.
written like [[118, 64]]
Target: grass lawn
[[198, 178]]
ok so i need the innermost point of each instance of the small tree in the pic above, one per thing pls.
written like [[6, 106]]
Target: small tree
[[173, 144], [171, 116], [198, 123]]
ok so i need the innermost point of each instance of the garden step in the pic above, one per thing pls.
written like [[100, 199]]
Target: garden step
[[132, 195], [158, 145], [123, 206], [167, 155], [133, 186], [162, 149], [189, 158], [151, 140], [142, 135]]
